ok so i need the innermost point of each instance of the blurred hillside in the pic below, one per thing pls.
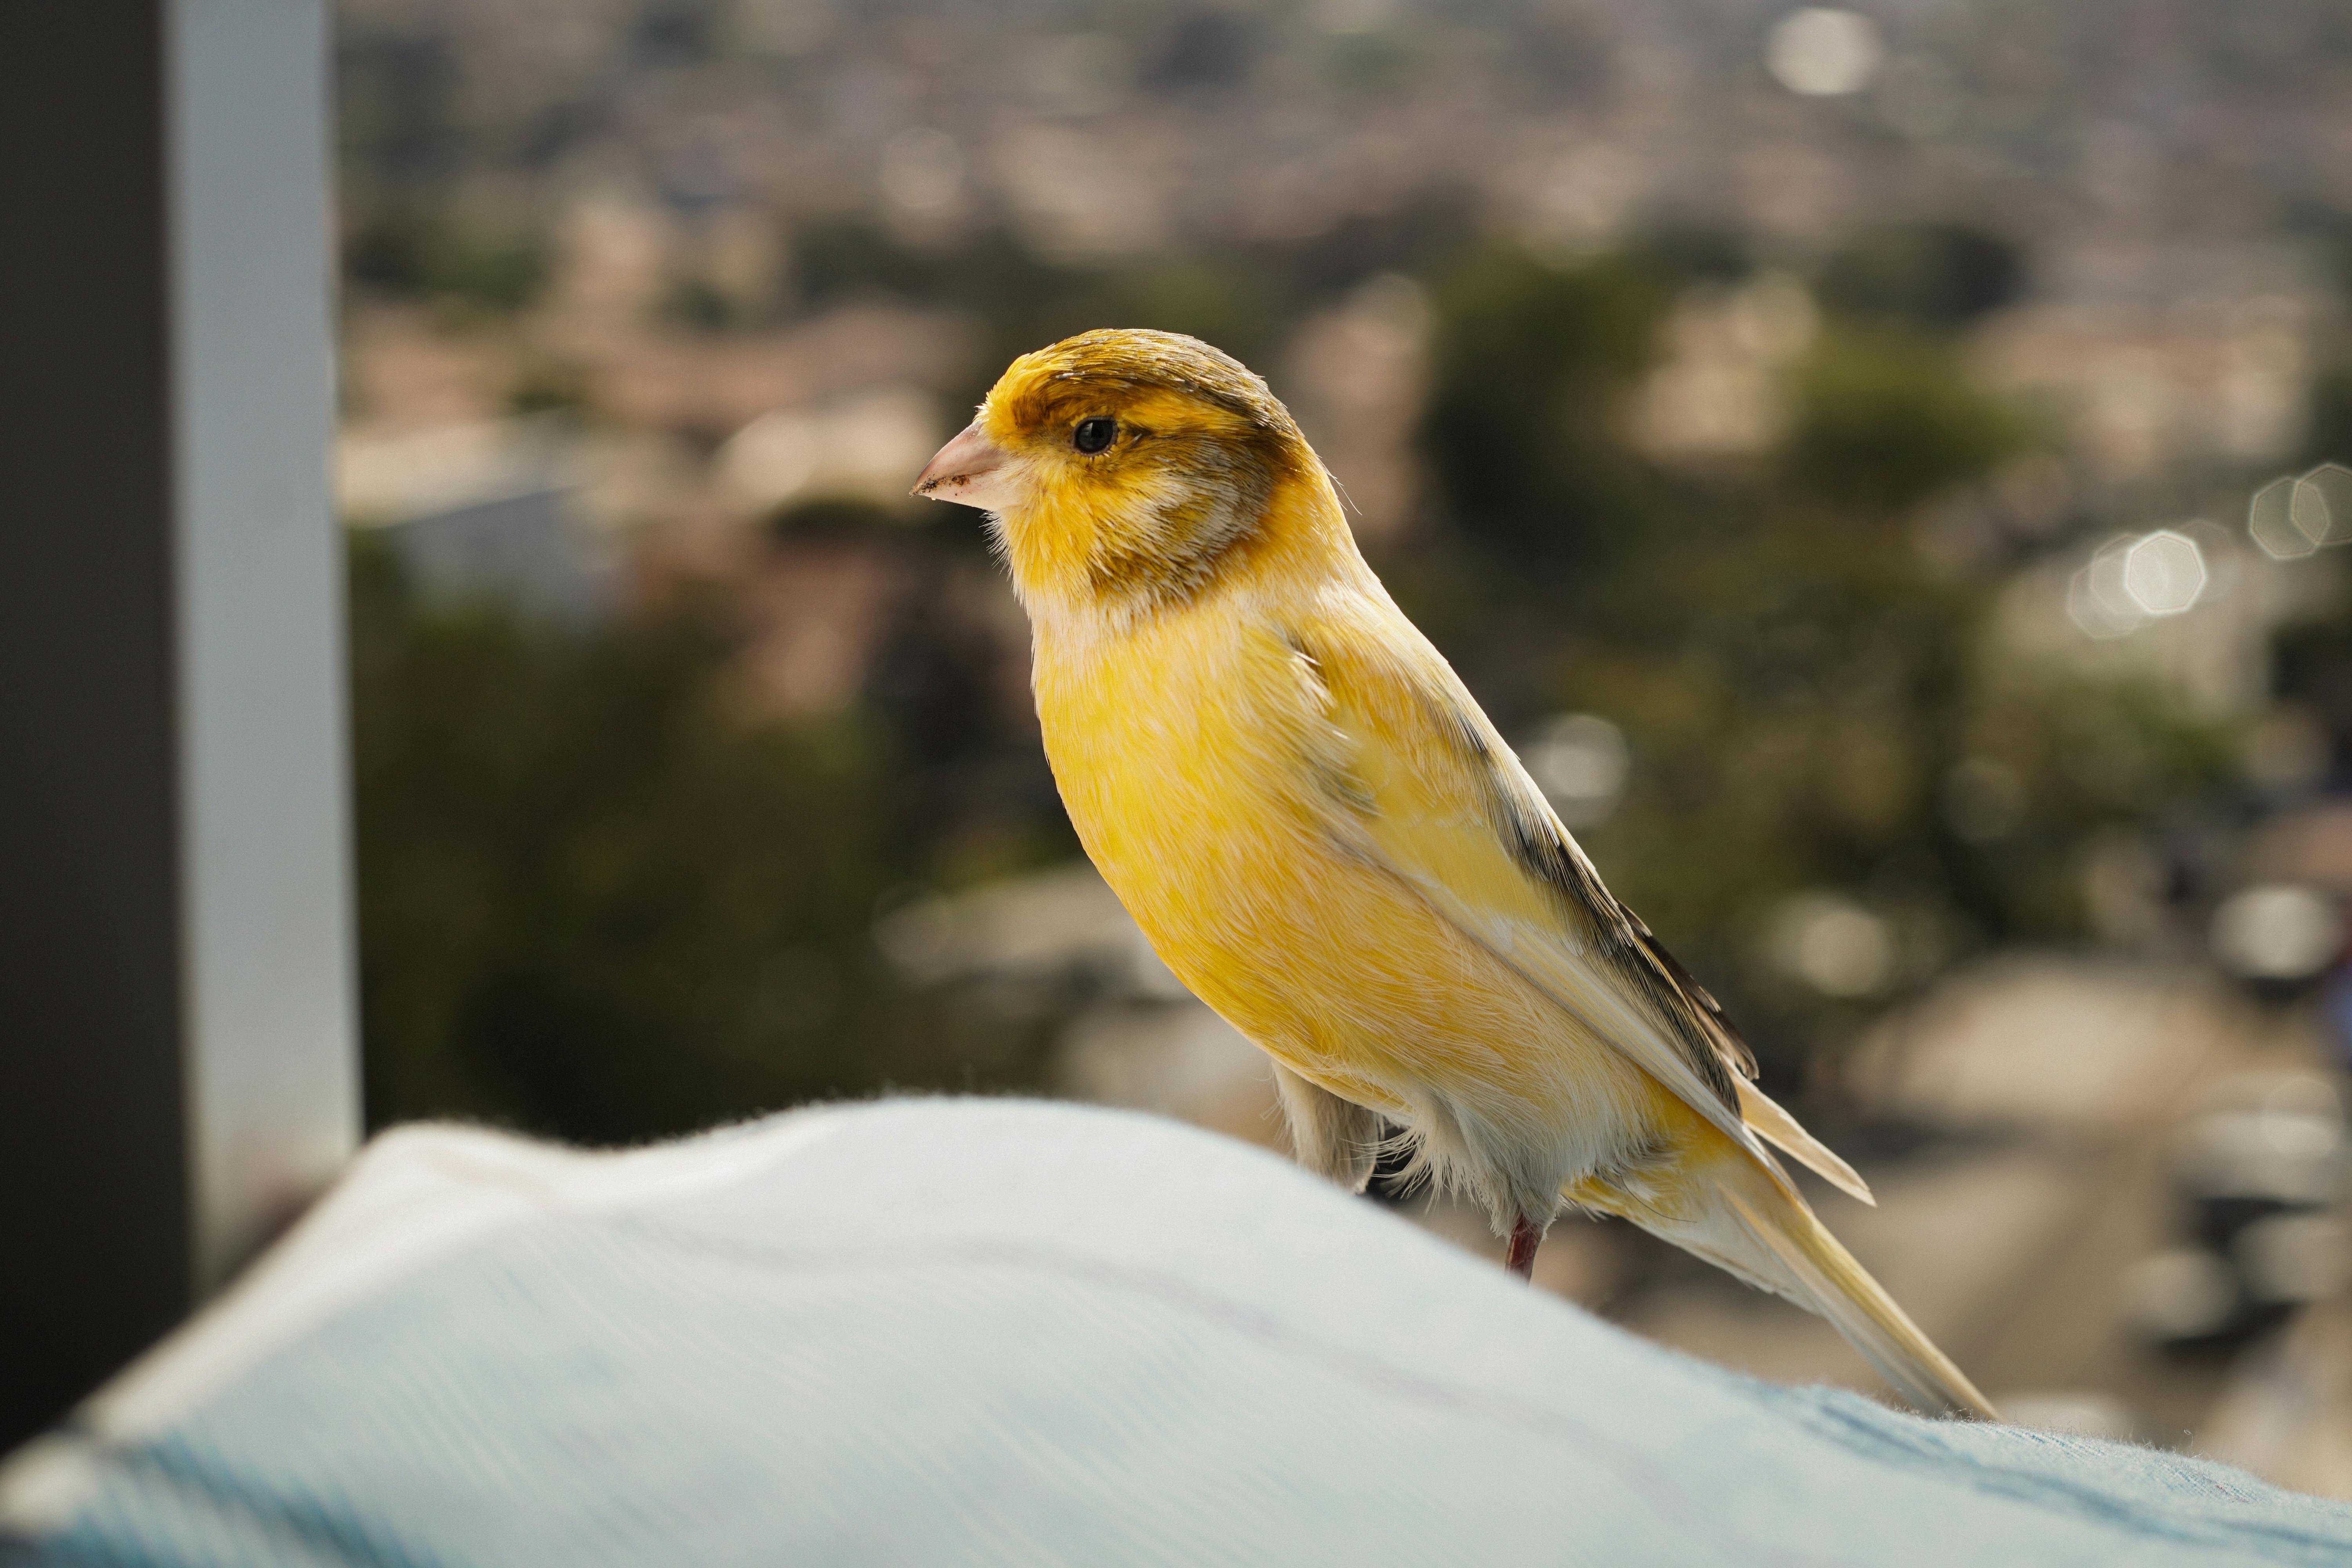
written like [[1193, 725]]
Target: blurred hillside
[[1876, 467]]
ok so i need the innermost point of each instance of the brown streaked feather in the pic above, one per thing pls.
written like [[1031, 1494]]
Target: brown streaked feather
[[1542, 845], [1727, 1038]]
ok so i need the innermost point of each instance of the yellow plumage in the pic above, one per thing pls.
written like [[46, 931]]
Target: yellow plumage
[[1325, 837]]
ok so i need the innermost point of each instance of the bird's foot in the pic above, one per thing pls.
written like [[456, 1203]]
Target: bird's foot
[[1521, 1257]]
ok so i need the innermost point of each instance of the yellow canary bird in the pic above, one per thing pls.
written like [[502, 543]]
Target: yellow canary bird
[[1325, 838]]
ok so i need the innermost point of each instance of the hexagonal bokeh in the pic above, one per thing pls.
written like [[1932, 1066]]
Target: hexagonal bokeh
[[2164, 573], [2098, 599], [2322, 508], [2269, 523], [2107, 578]]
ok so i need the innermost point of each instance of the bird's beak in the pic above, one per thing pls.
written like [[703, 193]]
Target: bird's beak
[[972, 470]]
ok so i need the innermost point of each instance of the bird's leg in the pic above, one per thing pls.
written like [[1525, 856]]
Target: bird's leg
[[1521, 1257]]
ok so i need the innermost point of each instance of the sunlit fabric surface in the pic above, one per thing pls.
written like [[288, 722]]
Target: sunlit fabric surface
[[990, 1331]]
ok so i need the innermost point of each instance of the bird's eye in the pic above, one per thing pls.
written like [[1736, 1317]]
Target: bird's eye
[[1094, 434]]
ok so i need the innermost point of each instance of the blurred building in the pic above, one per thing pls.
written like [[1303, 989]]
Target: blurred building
[[488, 510]]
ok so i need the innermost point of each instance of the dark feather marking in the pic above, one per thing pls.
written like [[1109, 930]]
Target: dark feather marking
[[1183, 544], [1449, 718], [1543, 848], [1728, 1038], [1331, 768]]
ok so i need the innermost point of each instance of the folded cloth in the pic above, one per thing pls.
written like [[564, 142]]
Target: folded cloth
[[990, 1331]]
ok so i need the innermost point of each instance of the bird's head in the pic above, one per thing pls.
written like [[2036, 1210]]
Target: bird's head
[[1126, 468]]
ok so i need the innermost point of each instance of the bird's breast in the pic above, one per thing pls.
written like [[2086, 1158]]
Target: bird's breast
[[1185, 757], [1174, 748]]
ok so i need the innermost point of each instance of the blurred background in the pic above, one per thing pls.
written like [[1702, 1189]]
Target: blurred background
[[1882, 469]]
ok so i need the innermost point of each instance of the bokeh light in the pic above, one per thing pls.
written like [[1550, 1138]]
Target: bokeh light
[[1833, 945], [2133, 579], [2096, 598], [2269, 523], [2321, 507], [2277, 931], [2293, 515], [1823, 53], [2164, 573], [1580, 760]]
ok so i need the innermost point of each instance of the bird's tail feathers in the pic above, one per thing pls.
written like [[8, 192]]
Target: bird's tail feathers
[[1829, 1281], [1745, 1225], [1764, 1115]]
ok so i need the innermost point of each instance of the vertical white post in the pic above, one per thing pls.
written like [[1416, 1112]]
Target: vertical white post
[[264, 840]]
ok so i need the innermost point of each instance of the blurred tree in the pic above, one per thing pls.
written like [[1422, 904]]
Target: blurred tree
[[2328, 426], [836, 262], [1885, 420], [545, 383], [1531, 367], [971, 796], [401, 248], [599, 899], [700, 305], [1426, 236], [1370, 64], [1022, 303], [1937, 277], [1793, 681], [1695, 252], [2075, 758], [395, 97], [2311, 666], [401, 144]]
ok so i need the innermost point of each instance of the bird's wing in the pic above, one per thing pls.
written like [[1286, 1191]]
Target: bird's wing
[[1415, 778]]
